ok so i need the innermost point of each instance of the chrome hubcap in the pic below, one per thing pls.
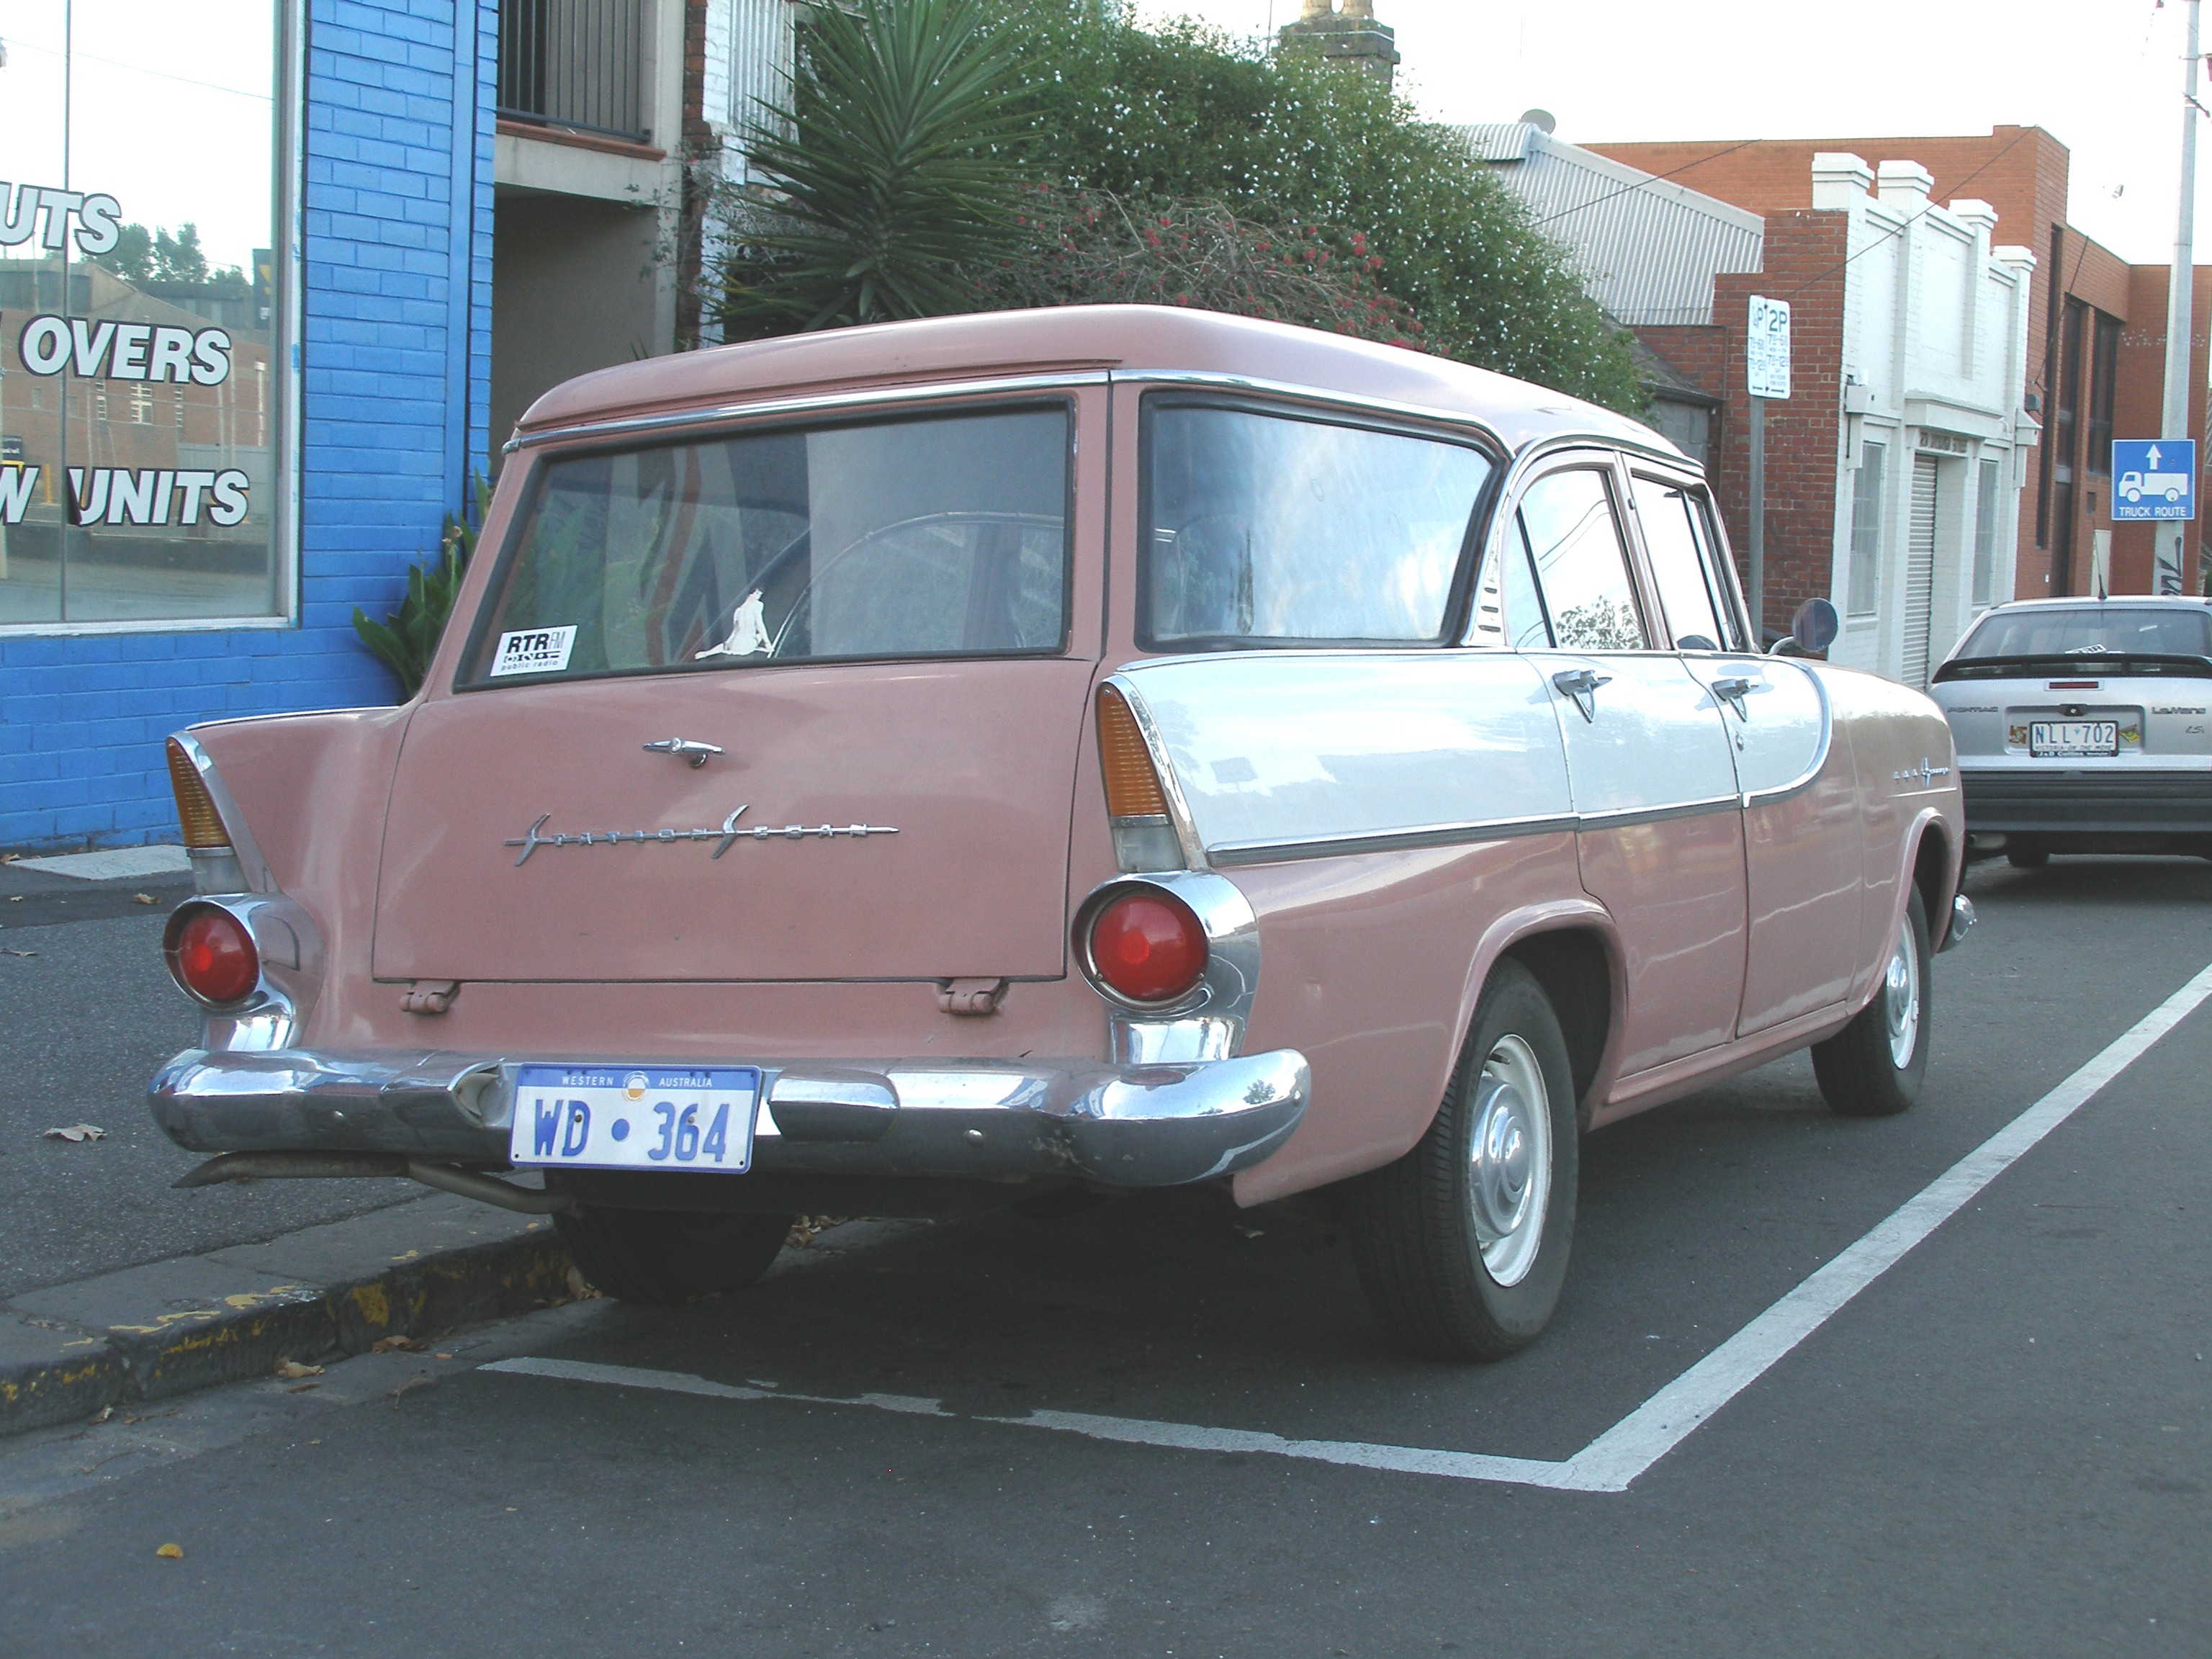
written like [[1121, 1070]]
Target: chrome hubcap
[[1901, 999], [1509, 1154]]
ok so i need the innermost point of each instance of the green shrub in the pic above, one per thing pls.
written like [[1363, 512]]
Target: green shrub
[[406, 639], [891, 168]]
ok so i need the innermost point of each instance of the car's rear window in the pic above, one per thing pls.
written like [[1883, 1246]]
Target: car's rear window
[[1267, 528], [944, 537], [2091, 630]]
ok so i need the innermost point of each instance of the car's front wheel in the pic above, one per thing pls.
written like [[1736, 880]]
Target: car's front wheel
[[1462, 1244], [1873, 1066], [665, 1258]]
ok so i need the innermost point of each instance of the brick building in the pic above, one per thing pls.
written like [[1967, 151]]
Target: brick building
[[1894, 468], [2096, 337]]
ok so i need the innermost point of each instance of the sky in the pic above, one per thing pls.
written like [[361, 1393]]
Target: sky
[[1622, 69], [170, 107]]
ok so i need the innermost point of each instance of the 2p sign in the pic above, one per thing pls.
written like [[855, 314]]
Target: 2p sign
[[1766, 348], [2153, 477]]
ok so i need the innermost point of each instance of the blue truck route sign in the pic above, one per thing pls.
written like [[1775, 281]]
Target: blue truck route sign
[[2153, 478]]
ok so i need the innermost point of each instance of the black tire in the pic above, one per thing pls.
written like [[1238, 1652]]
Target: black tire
[[665, 1258], [1415, 1238], [1859, 1073], [2028, 857]]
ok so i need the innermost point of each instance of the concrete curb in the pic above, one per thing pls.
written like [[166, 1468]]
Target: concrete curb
[[169, 1328]]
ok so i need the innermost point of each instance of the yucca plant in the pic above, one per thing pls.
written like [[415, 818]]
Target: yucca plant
[[890, 172], [405, 640]]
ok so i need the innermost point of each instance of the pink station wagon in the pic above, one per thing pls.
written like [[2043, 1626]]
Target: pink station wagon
[[1008, 758]]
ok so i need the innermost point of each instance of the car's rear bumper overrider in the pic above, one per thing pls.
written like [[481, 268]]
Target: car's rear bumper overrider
[[2023, 801], [1119, 1125]]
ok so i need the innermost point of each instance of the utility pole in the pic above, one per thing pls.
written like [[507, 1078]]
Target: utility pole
[[2172, 566]]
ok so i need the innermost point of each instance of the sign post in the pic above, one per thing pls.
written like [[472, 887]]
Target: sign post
[[1766, 369]]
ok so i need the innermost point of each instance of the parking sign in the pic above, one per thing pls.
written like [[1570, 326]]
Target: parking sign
[[2153, 477], [1766, 348]]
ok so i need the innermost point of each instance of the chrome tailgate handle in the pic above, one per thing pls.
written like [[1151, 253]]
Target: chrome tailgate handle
[[1580, 685], [696, 753]]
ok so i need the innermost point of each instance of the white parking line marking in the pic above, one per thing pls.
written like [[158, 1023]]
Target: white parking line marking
[[1616, 1458]]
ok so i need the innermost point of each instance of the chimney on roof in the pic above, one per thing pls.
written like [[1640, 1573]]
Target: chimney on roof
[[1351, 37]]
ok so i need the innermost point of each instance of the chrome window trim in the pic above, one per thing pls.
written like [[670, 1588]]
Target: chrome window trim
[[1627, 817], [815, 403], [1609, 453]]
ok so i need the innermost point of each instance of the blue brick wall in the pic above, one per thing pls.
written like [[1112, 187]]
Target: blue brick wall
[[396, 374]]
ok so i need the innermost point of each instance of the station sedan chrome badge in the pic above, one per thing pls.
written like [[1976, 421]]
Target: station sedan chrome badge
[[726, 837]]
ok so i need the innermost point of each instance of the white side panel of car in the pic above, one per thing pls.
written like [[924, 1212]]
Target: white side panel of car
[[1284, 753]]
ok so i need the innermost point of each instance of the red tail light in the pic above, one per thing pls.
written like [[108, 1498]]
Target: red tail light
[[1148, 947], [212, 956]]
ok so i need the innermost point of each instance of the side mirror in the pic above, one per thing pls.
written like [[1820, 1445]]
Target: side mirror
[[1812, 630]]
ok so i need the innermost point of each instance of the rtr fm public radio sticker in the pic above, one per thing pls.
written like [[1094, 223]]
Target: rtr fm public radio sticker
[[533, 651]]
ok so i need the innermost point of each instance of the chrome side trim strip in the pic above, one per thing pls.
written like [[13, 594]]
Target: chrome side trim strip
[[1232, 855], [1632, 816], [936, 391]]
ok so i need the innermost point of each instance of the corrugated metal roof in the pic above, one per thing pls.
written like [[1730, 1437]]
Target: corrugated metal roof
[[1647, 249]]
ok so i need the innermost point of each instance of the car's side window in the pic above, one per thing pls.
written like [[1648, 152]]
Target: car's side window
[[1581, 562], [1689, 590]]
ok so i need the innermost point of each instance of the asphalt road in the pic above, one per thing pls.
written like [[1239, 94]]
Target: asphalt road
[[2001, 1446], [89, 1014]]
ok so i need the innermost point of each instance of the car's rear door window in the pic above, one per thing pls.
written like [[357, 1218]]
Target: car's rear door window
[[1265, 527], [1572, 538], [933, 536]]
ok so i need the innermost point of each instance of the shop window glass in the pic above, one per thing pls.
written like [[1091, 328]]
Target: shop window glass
[[1866, 530], [142, 425], [1985, 532]]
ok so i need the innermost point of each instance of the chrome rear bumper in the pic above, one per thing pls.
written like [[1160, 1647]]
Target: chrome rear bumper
[[1121, 1126]]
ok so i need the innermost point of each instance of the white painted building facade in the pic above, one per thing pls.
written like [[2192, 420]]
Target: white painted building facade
[[1933, 449]]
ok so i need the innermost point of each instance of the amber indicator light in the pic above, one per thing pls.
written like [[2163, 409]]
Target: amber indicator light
[[203, 824], [1133, 789]]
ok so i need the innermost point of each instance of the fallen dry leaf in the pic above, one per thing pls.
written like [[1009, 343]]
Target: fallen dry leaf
[[9, 858], [171, 1552], [411, 1383], [6, 952], [75, 1132], [103, 1413], [396, 1344], [143, 898], [442, 1356], [302, 1387], [292, 1370]]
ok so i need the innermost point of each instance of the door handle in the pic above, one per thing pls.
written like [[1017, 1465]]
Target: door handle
[[1734, 692], [1580, 686], [696, 753]]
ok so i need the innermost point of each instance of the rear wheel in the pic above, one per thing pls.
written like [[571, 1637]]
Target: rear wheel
[[665, 1258], [1462, 1244], [1873, 1066], [2028, 857]]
